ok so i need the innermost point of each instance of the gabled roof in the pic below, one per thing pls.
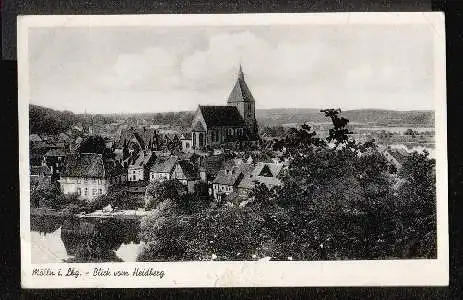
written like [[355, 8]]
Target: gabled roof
[[212, 164], [221, 116], [163, 165], [250, 178], [55, 152], [199, 127], [273, 168], [141, 160], [232, 176], [189, 169], [228, 177], [143, 136], [240, 92], [35, 137], [87, 165]]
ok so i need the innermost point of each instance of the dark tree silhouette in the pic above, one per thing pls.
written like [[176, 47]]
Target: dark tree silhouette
[[95, 144]]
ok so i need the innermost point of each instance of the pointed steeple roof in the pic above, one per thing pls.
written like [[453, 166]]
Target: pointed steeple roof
[[240, 92]]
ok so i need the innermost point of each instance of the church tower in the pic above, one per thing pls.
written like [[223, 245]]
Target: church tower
[[242, 99]]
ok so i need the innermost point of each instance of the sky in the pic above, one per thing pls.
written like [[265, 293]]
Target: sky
[[158, 69]]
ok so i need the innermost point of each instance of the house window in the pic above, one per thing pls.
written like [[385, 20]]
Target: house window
[[86, 192], [100, 191], [230, 131], [214, 136], [94, 192], [79, 192]]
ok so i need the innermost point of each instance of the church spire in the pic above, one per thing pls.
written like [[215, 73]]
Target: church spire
[[240, 73]]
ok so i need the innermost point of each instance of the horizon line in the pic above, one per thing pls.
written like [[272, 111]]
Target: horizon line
[[257, 109]]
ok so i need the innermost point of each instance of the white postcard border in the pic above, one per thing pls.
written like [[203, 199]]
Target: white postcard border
[[247, 274]]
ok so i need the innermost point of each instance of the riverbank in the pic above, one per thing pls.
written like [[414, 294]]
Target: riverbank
[[99, 214], [118, 214], [49, 212]]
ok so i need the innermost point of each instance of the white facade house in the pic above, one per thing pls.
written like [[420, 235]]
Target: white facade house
[[163, 168], [89, 176], [137, 170], [135, 173], [227, 180], [187, 173]]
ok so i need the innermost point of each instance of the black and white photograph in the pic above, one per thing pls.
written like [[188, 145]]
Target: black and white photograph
[[238, 150]]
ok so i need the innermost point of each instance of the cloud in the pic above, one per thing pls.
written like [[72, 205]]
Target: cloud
[[153, 68], [294, 67], [283, 62]]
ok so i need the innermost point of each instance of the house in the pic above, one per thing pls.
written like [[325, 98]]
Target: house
[[264, 173], [89, 175], [163, 168], [140, 166], [144, 138], [55, 160], [209, 167], [187, 173], [38, 146], [215, 125], [227, 180]]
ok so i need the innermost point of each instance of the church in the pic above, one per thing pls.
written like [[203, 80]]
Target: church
[[236, 121]]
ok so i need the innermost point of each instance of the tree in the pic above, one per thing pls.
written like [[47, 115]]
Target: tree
[[95, 144], [157, 192], [411, 132], [416, 207], [339, 132]]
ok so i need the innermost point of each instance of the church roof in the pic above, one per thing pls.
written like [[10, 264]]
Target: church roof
[[221, 116], [240, 92]]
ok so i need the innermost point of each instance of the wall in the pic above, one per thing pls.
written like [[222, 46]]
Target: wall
[[135, 174], [159, 176], [221, 189], [95, 187]]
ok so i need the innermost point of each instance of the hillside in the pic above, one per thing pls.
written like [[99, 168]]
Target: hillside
[[45, 120], [48, 121]]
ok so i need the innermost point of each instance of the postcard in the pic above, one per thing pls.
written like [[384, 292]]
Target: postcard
[[241, 150]]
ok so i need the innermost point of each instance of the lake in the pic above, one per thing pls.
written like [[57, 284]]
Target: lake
[[68, 239]]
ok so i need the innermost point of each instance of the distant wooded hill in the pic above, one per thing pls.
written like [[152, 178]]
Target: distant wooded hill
[[276, 117], [43, 120], [49, 121]]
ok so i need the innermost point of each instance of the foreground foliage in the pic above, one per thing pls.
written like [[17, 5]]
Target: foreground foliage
[[339, 201]]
